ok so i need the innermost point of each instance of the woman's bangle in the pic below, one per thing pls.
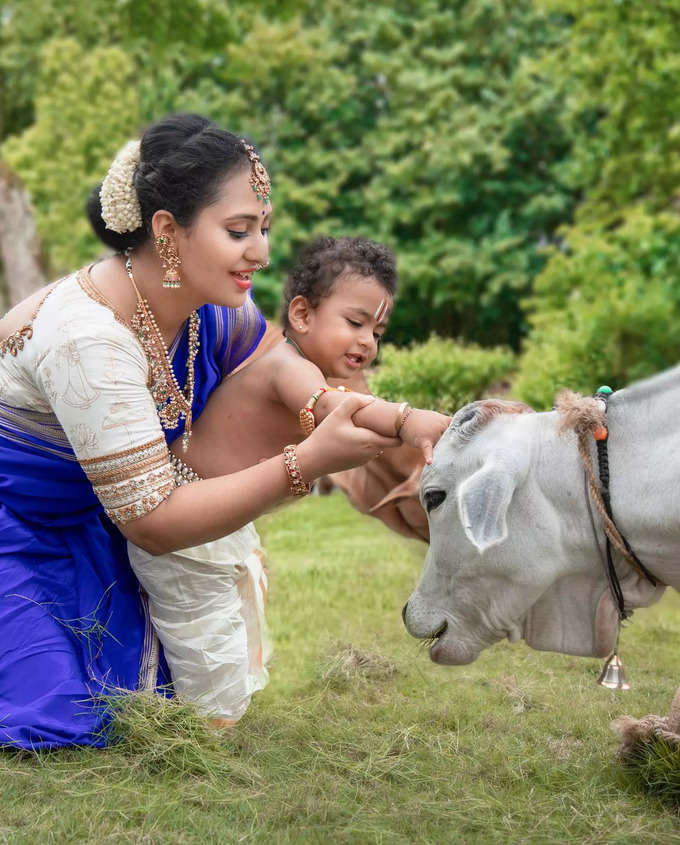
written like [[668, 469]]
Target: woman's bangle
[[402, 415], [184, 474], [298, 487]]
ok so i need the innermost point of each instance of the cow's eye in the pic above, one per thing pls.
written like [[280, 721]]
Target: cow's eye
[[469, 415], [433, 498]]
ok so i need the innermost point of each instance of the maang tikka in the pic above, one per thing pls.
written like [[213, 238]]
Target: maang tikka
[[169, 256], [259, 178]]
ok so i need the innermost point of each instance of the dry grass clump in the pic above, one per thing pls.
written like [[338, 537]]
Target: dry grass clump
[[518, 693], [655, 764], [650, 748], [168, 736], [348, 663]]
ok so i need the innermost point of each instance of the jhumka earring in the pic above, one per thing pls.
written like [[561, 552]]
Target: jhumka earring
[[167, 252]]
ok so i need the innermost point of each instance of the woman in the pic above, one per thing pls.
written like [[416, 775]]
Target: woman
[[98, 373]]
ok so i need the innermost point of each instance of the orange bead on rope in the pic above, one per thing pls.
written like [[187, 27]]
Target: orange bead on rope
[[600, 433]]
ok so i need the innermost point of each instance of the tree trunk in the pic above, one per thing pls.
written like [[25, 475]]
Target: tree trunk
[[23, 266]]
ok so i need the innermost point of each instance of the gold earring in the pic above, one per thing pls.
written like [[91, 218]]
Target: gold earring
[[167, 252]]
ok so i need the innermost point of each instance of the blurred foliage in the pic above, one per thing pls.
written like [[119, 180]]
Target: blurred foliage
[[608, 311], [412, 123], [441, 374], [618, 72], [171, 46], [606, 307], [62, 155]]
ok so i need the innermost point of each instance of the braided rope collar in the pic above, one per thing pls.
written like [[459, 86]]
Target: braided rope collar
[[587, 417]]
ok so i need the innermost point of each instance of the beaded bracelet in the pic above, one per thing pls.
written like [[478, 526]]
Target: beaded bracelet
[[404, 411], [298, 487], [307, 421], [184, 474]]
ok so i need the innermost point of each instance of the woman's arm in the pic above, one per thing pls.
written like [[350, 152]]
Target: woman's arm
[[96, 377], [206, 510]]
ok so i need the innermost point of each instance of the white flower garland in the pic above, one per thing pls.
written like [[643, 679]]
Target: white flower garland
[[120, 205]]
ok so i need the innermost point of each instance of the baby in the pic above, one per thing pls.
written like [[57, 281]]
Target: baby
[[337, 302]]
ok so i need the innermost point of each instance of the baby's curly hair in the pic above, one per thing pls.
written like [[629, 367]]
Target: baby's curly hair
[[324, 260]]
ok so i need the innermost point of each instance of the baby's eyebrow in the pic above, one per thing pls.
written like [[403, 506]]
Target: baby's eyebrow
[[359, 311]]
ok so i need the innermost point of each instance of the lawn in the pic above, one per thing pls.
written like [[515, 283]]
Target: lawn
[[358, 737]]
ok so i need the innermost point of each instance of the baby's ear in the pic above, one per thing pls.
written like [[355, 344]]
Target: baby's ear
[[299, 313]]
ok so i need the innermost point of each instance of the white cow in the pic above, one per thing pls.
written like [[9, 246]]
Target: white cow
[[513, 551]]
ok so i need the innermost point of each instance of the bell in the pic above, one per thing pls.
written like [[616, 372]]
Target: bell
[[612, 675]]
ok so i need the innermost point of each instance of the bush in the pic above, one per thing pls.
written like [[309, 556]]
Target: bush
[[606, 311], [439, 374]]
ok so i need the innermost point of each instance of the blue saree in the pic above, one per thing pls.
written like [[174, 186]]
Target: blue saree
[[74, 625]]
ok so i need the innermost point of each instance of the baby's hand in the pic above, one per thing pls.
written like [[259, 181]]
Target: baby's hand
[[422, 429]]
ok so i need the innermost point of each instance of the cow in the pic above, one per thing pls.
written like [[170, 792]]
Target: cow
[[516, 546]]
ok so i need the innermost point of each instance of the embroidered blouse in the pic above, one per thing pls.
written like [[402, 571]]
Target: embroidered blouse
[[79, 377]]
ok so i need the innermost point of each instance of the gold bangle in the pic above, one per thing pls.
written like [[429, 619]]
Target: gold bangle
[[306, 415], [397, 419], [298, 487], [404, 411]]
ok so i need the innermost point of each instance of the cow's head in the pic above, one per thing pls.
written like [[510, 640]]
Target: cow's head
[[512, 551]]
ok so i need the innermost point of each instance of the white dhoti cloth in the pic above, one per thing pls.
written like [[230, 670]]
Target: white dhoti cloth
[[207, 604]]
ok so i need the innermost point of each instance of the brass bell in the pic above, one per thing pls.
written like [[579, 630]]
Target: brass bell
[[612, 675]]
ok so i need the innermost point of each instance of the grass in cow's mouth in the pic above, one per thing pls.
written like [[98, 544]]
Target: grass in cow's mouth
[[428, 642], [360, 738]]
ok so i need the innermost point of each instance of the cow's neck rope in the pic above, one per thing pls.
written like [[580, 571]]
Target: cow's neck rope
[[588, 420]]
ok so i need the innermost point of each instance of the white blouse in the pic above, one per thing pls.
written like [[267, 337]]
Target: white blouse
[[78, 375]]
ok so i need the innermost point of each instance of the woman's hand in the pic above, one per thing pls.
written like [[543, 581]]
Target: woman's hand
[[422, 429], [337, 443]]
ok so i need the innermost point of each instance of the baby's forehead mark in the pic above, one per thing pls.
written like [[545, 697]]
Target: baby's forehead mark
[[381, 310]]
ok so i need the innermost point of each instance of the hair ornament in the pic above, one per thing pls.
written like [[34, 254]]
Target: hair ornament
[[259, 178], [120, 205]]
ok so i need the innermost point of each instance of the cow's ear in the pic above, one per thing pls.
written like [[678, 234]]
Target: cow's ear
[[483, 501]]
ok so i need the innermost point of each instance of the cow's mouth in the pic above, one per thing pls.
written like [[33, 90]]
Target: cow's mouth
[[448, 649], [430, 641]]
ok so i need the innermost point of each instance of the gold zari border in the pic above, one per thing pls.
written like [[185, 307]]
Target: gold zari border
[[133, 482]]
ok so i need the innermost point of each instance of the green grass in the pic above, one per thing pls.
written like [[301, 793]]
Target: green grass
[[359, 738]]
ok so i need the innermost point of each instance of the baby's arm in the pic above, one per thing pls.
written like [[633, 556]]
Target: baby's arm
[[298, 379]]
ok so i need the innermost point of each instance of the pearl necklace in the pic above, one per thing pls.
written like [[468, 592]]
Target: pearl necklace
[[172, 403]]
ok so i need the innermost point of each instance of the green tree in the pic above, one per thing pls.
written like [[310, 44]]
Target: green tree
[[172, 46], [605, 309], [417, 125], [80, 120], [414, 123], [608, 310]]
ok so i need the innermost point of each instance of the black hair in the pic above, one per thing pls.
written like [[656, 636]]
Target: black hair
[[323, 261], [184, 159]]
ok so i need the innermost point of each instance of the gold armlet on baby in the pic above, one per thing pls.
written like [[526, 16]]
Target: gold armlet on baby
[[402, 415], [307, 421]]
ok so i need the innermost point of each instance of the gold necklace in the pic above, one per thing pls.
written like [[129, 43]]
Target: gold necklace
[[172, 403]]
